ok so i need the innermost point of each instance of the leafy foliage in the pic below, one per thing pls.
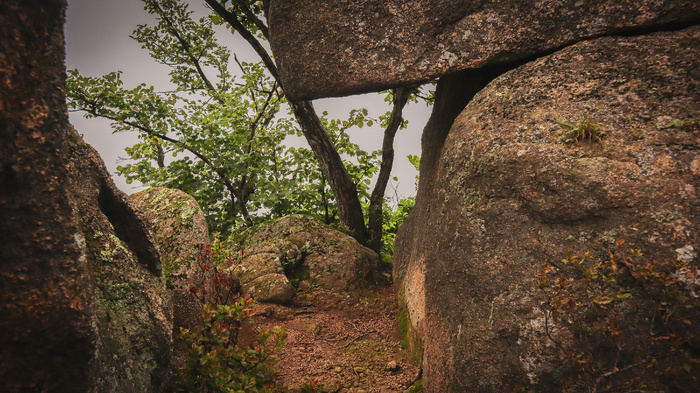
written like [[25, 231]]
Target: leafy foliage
[[217, 361], [218, 136], [631, 325], [217, 364], [681, 124], [393, 219], [395, 216]]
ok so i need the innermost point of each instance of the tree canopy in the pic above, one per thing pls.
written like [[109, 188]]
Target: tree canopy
[[220, 134]]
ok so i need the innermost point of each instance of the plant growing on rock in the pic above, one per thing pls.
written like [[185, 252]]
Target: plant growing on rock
[[584, 129], [629, 324]]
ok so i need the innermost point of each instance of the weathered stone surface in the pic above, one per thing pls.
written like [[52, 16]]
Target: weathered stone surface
[[330, 48], [181, 231], [81, 294], [270, 288], [511, 195], [46, 332], [132, 308], [178, 223], [257, 265], [307, 249], [262, 276]]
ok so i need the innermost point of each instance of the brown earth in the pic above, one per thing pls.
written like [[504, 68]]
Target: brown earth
[[347, 343]]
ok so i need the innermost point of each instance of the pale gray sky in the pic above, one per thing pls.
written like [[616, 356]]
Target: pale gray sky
[[97, 42]]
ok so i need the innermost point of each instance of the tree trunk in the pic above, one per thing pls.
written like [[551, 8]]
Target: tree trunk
[[46, 332], [332, 165], [376, 203], [338, 178]]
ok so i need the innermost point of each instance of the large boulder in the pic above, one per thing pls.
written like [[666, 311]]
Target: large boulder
[[181, 231], [299, 247], [178, 224], [513, 194], [132, 308], [82, 297], [330, 48]]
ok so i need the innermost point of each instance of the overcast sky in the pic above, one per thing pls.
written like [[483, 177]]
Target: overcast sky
[[97, 42]]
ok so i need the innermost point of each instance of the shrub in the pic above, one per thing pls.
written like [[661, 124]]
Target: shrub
[[217, 362]]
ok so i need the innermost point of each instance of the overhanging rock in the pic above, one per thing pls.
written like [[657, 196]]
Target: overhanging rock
[[341, 47]]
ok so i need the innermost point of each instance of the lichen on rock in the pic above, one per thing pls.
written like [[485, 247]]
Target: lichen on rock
[[133, 311]]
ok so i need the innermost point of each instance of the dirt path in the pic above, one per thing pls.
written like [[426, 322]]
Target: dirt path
[[347, 343]]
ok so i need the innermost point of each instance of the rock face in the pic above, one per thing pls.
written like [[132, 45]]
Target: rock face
[[181, 230], [302, 248], [512, 195], [46, 332], [132, 309], [342, 47], [81, 292], [178, 224]]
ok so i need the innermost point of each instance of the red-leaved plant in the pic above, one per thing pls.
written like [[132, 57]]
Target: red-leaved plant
[[217, 362]]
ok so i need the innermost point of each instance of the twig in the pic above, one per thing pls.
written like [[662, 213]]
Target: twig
[[611, 373], [359, 337], [491, 314]]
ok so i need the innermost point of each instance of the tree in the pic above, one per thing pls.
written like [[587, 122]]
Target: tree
[[232, 128], [229, 126], [246, 17]]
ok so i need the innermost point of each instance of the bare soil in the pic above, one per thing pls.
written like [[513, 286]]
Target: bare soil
[[347, 343]]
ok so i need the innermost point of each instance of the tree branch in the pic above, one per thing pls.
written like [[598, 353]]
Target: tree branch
[[377, 199], [236, 195], [250, 15], [232, 20], [188, 50]]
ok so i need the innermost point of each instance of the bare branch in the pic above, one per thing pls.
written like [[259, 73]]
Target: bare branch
[[232, 20]]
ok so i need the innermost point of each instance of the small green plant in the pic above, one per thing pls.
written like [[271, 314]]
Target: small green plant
[[393, 219], [217, 362], [678, 123], [584, 129], [630, 325]]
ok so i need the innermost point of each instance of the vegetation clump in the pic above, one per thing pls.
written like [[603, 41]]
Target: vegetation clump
[[217, 361], [584, 129], [687, 123]]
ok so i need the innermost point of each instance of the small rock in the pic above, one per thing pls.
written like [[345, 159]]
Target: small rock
[[686, 254], [304, 285], [274, 311], [270, 288], [333, 385], [337, 370], [392, 366]]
